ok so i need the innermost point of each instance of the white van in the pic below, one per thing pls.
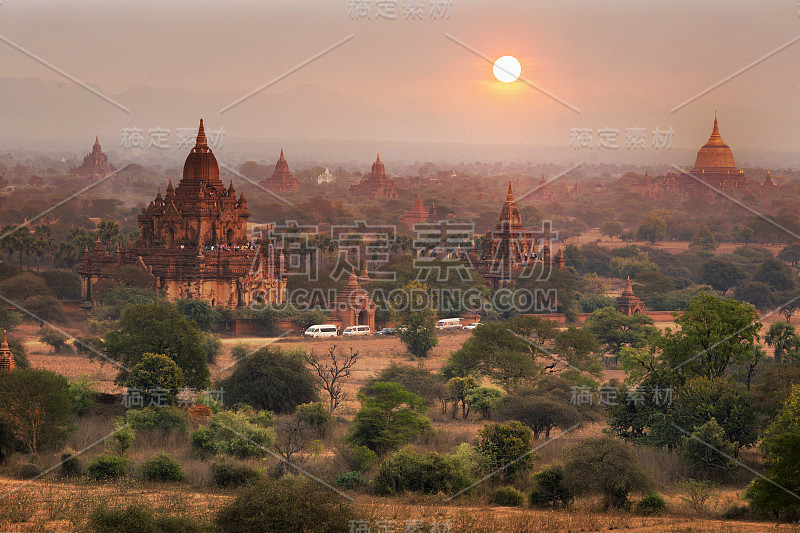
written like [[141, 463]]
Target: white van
[[322, 330], [449, 323], [356, 330]]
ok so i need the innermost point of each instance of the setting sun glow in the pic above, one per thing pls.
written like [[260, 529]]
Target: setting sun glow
[[507, 69]]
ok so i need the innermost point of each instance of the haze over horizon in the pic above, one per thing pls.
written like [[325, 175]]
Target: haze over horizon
[[622, 63]]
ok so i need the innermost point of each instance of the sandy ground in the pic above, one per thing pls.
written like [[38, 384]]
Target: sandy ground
[[676, 247]]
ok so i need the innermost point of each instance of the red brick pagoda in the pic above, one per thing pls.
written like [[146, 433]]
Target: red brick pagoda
[[6, 357], [193, 240], [281, 179], [510, 248], [628, 303], [95, 164], [353, 306], [376, 184]]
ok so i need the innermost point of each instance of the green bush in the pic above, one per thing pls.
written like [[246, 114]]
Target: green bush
[[408, 471], [82, 392], [315, 414], [164, 419], [108, 466], [45, 308], [550, 489], [651, 504], [506, 496], [162, 467], [291, 504], [139, 517], [358, 458], [351, 480], [239, 434], [227, 473], [70, 465]]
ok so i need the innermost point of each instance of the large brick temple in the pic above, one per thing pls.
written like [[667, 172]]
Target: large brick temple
[[376, 184], [95, 164], [511, 250], [194, 241]]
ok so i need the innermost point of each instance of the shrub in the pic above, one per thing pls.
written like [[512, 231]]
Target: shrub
[[697, 493], [70, 465], [408, 471], [294, 504], [240, 350], [29, 390], [45, 308], [108, 466], [162, 467], [212, 347], [736, 512], [18, 288], [651, 504], [238, 434], [273, 380], [65, 284], [604, 465], [138, 517], [29, 471], [164, 419], [506, 445], [82, 392], [506, 496], [357, 458], [158, 377], [122, 439], [227, 473], [550, 489], [55, 339], [351, 480], [315, 415]]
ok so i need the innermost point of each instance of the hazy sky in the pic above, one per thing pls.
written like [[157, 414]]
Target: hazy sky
[[622, 63]]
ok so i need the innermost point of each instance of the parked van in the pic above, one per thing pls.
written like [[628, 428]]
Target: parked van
[[321, 330], [449, 323], [356, 330]]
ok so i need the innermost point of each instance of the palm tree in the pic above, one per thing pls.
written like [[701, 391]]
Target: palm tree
[[782, 338]]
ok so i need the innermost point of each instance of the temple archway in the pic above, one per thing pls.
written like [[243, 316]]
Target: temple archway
[[363, 318], [229, 236], [170, 237]]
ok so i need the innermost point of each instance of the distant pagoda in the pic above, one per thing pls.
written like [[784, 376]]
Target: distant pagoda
[[95, 164], [376, 184], [6, 357], [628, 303], [282, 179]]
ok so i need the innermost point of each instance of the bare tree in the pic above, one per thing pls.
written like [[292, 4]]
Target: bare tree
[[333, 371], [294, 436]]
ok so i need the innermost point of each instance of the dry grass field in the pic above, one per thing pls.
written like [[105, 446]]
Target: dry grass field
[[51, 504]]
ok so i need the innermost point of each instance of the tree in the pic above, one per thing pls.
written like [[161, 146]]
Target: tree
[[271, 379], [417, 379], [708, 449], [615, 330], [790, 253], [334, 373], [775, 274], [605, 466], [703, 239], [652, 228], [484, 400], [458, 388], [539, 410], [783, 338], [389, 416], [55, 339], [161, 329], [576, 345], [612, 228], [293, 437], [714, 334], [201, 312], [45, 308], [776, 492], [506, 448], [418, 332], [37, 406], [154, 374], [721, 274]]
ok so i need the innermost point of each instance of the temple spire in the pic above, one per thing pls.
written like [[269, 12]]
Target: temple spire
[[510, 195], [201, 135]]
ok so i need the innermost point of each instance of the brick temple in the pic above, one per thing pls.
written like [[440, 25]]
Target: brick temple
[[95, 165], [282, 179], [510, 249], [193, 241], [376, 184]]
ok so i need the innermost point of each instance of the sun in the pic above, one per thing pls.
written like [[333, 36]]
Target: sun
[[507, 69]]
